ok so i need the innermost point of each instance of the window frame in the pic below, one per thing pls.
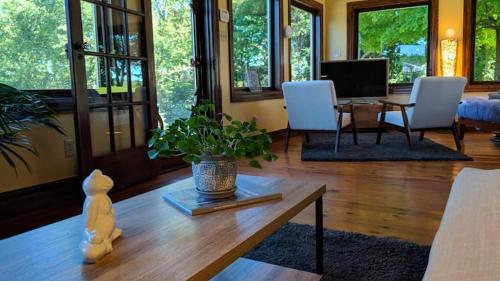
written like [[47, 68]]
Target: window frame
[[276, 55], [353, 10], [316, 9], [469, 49]]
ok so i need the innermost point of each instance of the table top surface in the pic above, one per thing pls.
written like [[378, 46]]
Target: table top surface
[[158, 241]]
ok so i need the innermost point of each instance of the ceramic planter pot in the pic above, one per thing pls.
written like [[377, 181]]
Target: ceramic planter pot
[[215, 176]]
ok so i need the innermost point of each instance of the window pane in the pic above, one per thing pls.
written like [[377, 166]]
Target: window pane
[[301, 42], [135, 35], [32, 44], [251, 47], [397, 34], [173, 50], [121, 121], [487, 45], [92, 27], [118, 69], [116, 31], [138, 90], [95, 68]]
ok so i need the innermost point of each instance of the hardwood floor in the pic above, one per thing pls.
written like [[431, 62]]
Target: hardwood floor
[[404, 200]]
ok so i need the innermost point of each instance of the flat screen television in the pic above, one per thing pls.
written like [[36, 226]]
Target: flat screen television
[[358, 78]]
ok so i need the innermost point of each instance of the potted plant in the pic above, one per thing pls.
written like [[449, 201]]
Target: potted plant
[[212, 148], [19, 110]]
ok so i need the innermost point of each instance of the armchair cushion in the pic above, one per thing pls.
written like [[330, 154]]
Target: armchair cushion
[[311, 105]]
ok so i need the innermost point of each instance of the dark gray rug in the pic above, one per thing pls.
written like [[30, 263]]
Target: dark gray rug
[[393, 148], [348, 256]]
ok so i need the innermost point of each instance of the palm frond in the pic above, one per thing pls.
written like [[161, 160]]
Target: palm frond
[[19, 110]]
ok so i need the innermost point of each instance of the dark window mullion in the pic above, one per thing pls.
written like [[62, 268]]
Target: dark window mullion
[[129, 83], [109, 89], [134, 12]]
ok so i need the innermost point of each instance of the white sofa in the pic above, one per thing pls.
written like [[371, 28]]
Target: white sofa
[[467, 244]]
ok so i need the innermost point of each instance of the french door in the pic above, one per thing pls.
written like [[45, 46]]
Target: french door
[[118, 99]]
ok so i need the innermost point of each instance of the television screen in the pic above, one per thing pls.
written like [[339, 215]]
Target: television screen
[[358, 78]]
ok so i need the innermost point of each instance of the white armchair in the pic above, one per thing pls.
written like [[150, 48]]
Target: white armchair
[[433, 105], [312, 107]]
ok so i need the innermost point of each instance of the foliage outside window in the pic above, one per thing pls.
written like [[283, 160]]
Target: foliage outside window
[[487, 41], [251, 41], [173, 49], [401, 35], [301, 44], [32, 46]]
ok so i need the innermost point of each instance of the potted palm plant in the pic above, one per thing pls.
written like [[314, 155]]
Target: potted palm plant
[[212, 148], [19, 110]]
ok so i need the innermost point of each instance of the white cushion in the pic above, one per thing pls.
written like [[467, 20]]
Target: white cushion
[[436, 101], [310, 105], [467, 244], [393, 117]]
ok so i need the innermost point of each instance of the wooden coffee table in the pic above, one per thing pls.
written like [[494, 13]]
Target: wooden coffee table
[[160, 242]]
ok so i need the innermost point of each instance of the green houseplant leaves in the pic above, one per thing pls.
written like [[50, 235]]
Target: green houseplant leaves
[[19, 110], [200, 136]]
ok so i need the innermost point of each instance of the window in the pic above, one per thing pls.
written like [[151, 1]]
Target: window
[[255, 49], [173, 49], [305, 43], [482, 44], [402, 32], [32, 46], [301, 45]]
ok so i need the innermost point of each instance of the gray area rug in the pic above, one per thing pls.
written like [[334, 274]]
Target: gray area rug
[[348, 256], [392, 148]]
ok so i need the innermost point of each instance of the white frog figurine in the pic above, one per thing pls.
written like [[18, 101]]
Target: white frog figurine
[[99, 218]]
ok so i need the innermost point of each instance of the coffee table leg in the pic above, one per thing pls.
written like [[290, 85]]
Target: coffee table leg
[[319, 235]]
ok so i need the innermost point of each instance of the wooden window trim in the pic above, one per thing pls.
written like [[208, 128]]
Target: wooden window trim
[[353, 10], [316, 9], [468, 51], [277, 65]]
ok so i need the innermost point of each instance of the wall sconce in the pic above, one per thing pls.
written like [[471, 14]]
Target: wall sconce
[[449, 47]]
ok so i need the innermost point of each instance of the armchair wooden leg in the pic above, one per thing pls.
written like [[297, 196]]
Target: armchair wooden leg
[[353, 127], [456, 136], [422, 133], [338, 133], [462, 129], [354, 134], [407, 129], [307, 137], [287, 137], [381, 123], [379, 132], [337, 139]]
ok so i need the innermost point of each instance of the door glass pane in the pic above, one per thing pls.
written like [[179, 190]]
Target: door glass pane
[[96, 79], [134, 5], [99, 132], [135, 35], [173, 49], [251, 47], [140, 124], [138, 90], [116, 31], [487, 41], [118, 69], [399, 35], [302, 44], [121, 120], [119, 3], [93, 27]]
